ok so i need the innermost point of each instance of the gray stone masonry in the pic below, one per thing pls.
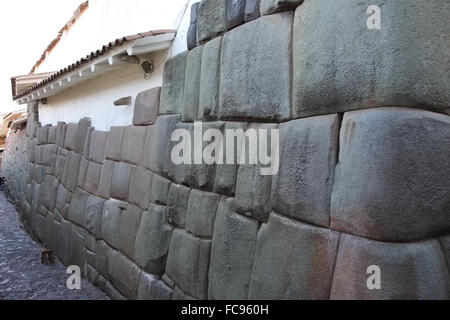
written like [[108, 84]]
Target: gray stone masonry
[[173, 85], [211, 19], [399, 65], [146, 107], [401, 155], [263, 46]]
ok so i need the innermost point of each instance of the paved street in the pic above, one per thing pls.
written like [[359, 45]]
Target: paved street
[[22, 276]]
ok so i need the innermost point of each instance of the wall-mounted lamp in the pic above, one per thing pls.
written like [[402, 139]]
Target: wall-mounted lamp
[[147, 67]]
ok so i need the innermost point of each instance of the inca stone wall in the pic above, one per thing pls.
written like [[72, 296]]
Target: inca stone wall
[[364, 173]]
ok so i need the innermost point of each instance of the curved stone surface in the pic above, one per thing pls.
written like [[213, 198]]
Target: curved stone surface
[[407, 270], [302, 187], [341, 65], [211, 19], [393, 178], [173, 85], [232, 252], [260, 89], [293, 261]]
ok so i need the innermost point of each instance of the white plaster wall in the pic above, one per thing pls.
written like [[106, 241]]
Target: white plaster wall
[[106, 20], [94, 98]]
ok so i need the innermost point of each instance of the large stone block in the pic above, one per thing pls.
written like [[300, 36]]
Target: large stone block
[[97, 146], [178, 295], [49, 191], [153, 240], [253, 189], [61, 133], [146, 107], [209, 81], [197, 174], [188, 263], [235, 13], [81, 134], [92, 180], [407, 270], [129, 224], [151, 288], [102, 255], [77, 249], [82, 172], [157, 150], [77, 212], [211, 19], [192, 85], [445, 244], [106, 179], [52, 135], [393, 176], [177, 204], [232, 251], [125, 274], [252, 10], [159, 190], [63, 197], [70, 172], [42, 135], [111, 221], [173, 85], [191, 37], [201, 213], [63, 243], [272, 6], [133, 145], [70, 136], [293, 261], [87, 144], [59, 166], [32, 151], [308, 153], [38, 154], [120, 181], [48, 158], [194, 12], [226, 174], [112, 292], [39, 174], [261, 90], [39, 226], [140, 187], [397, 65], [94, 215], [114, 143]]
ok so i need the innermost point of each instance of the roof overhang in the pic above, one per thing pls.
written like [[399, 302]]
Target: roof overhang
[[10, 118], [109, 58], [19, 121]]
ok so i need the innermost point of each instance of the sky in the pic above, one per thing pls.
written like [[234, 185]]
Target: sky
[[26, 29]]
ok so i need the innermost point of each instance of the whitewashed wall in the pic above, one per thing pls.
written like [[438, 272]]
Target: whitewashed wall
[[94, 98], [107, 20]]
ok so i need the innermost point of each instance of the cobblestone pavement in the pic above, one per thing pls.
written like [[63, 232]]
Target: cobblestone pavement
[[22, 276]]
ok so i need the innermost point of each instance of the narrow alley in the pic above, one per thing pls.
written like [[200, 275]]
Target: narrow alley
[[22, 276]]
